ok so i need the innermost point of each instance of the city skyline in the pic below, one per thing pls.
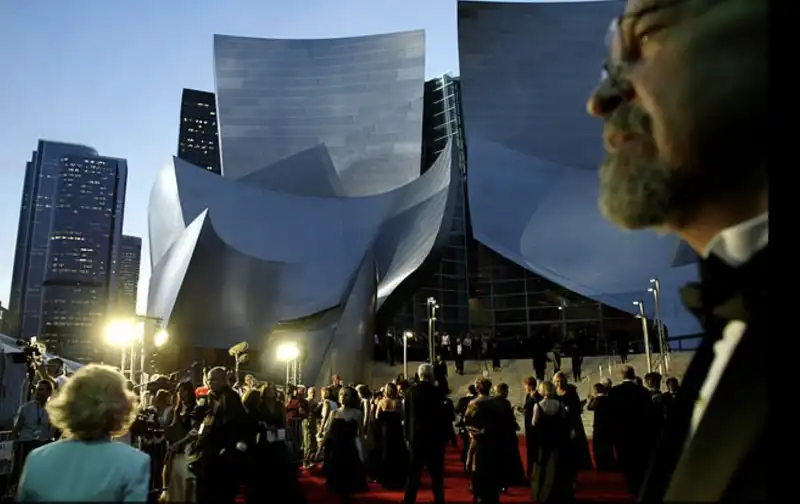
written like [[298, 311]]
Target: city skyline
[[46, 99]]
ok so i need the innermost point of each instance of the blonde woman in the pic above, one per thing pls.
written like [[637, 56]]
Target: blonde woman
[[86, 465], [552, 475]]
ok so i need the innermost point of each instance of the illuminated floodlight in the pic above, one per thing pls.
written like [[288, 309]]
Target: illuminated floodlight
[[288, 352], [160, 338], [408, 335], [120, 332]]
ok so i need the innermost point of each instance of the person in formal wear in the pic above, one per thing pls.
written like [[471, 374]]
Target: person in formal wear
[[488, 426], [440, 373], [221, 443], [345, 473], [86, 465], [461, 410], [690, 156], [392, 465], [426, 433], [630, 404], [532, 397], [553, 473], [602, 428], [568, 394], [513, 470]]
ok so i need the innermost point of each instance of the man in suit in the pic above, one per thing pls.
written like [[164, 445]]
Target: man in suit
[[684, 100], [630, 406], [426, 432], [221, 444]]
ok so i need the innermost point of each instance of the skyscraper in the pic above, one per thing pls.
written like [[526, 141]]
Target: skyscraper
[[128, 262], [198, 138], [67, 244]]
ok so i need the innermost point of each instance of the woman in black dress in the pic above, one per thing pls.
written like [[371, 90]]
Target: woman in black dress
[[552, 474], [568, 395], [393, 464], [344, 449]]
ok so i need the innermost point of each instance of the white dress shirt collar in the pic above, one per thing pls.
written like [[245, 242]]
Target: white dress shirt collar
[[737, 244]]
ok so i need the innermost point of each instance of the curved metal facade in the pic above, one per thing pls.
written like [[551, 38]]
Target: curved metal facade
[[256, 252], [526, 71], [360, 98]]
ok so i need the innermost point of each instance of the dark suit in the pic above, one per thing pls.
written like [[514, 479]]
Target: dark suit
[[426, 431], [726, 457], [221, 465], [530, 402], [631, 408]]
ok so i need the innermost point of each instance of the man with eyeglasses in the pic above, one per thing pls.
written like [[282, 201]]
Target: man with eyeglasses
[[684, 101]]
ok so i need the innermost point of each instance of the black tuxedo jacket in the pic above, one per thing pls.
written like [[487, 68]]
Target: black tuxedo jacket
[[426, 417], [726, 458]]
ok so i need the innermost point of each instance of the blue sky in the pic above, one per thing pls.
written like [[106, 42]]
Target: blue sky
[[109, 74]]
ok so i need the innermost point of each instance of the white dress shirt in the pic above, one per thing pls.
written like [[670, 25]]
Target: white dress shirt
[[735, 245]]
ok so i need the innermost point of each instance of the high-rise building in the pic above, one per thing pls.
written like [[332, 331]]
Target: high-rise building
[[67, 246], [128, 263], [198, 138]]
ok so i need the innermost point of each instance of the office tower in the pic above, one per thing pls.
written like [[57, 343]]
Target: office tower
[[198, 138], [67, 245], [128, 263]]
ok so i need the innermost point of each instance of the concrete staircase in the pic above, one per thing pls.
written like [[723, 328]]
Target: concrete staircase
[[513, 372]]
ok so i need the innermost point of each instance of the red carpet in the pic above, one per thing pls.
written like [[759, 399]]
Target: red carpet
[[592, 487]]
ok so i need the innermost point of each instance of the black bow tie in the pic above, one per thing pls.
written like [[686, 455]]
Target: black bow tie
[[724, 288]]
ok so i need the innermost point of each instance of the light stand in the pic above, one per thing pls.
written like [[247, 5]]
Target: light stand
[[406, 336], [642, 316], [662, 336], [432, 306]]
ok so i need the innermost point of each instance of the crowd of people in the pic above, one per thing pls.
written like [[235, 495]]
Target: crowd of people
[[211, 437]]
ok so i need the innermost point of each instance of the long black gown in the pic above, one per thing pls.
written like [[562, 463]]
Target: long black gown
[[552, 469], [394, 454], [580, 443], [344, 472]]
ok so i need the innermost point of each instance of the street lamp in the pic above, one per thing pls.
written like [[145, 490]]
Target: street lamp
[[289, 353], [128, 333], [406, 336], [662, 335], [121, 333], [642, 316], [160, 338], [432, 307]]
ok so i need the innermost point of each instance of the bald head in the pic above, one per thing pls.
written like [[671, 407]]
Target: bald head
[[217, 378]]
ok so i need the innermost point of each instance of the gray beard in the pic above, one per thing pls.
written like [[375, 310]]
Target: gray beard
[[635, 190]]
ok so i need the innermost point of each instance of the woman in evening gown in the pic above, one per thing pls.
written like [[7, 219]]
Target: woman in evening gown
[[568, 395], [552, 475], [344, 469], [393, 465]]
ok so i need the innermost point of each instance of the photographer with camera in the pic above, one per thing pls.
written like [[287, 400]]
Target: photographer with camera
[[52, 370]]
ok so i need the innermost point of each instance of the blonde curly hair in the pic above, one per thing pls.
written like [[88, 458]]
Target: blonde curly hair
[[93, 404]]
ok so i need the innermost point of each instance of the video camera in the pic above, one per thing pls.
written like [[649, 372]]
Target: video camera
[[32, 350]]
